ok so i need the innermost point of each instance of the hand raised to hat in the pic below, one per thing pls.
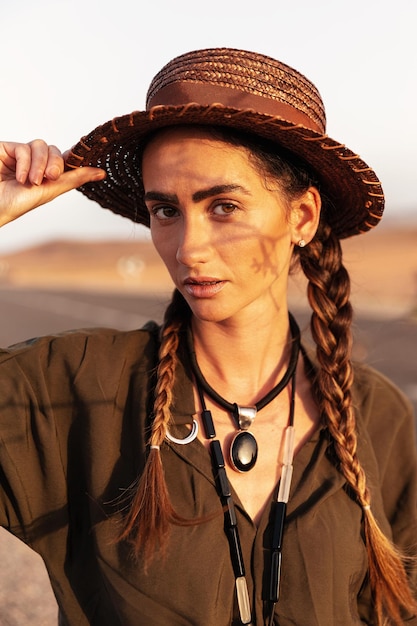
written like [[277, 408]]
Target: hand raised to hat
[[33, 174]]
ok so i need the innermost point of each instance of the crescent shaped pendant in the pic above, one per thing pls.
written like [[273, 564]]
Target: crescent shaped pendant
[[188, 439]]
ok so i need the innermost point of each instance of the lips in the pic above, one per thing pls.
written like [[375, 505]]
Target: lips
[[203, 287]]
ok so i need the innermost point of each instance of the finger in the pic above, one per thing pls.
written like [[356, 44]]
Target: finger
[[86, 173], [67, 153], [39, 159], [83, 175], [55, 164], [71, 180], [24, 198], [37, 195], [21, 153], [31, 162]]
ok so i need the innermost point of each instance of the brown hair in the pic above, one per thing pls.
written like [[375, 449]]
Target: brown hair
[[151, 512]]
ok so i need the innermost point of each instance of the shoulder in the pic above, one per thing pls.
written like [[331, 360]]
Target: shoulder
[[384, 415], [386, 424], [376, 397], [98, 347]]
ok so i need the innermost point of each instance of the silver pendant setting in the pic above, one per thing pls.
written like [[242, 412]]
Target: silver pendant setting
[[244, 447]]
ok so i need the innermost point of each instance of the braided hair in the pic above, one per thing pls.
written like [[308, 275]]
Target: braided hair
[[328, 294], [150, 514]]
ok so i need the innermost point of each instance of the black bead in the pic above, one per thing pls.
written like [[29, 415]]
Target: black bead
[[208, 424]]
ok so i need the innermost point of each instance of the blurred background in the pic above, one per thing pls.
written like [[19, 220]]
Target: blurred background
[[69, 66]]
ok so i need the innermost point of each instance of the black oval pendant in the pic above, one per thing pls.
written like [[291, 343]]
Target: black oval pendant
[[243, 451]]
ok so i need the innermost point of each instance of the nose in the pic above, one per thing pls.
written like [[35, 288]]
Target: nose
[[193, 245]]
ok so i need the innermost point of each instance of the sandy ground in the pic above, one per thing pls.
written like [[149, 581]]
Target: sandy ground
[[26, 598], [383, 267]]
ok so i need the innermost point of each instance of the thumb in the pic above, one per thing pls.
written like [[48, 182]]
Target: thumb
[[71, 179], [74, 177], [18, 199]]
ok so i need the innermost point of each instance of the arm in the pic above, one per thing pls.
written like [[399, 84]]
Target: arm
[[390, 437], [33, 174]]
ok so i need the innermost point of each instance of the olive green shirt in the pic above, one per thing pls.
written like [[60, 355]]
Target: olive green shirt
[[74, 416]]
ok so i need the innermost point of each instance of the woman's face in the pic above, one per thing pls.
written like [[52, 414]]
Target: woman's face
[[221, 228]]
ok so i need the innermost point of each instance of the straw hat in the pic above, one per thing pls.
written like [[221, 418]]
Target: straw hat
[[242, 90]]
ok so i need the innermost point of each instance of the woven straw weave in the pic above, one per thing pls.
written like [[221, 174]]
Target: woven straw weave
[[236, 77]]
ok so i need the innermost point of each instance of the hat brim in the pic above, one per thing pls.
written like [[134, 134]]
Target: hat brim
[[354, 193]]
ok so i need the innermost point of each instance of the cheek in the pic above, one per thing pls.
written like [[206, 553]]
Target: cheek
[[163, 244], [267, 256], [160, 242]]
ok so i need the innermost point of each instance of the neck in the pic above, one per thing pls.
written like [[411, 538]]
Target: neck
[[243, 363]]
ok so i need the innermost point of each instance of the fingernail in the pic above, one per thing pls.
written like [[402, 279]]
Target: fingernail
[[22, 178], [99, 175], [53, 172], [37, 180]]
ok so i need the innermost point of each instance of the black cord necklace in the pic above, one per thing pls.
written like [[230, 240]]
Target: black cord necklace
[[244, 447]]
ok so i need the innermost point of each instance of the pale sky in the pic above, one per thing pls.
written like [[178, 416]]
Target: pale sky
[[71, 65]]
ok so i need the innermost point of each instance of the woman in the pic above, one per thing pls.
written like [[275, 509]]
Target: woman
[[136, 463]]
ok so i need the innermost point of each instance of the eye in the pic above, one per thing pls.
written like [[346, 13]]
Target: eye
[[163, 212], [224, 208]]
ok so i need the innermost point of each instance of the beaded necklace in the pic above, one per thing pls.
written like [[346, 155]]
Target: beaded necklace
[[279, 506]]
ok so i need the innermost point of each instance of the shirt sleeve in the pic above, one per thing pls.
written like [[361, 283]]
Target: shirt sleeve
[[64, 399], [34, 392], [390, 438]]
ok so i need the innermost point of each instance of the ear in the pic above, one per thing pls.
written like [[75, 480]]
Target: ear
[[305, 216]]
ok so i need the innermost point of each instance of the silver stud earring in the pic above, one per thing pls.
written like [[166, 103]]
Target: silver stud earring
[[301, 243]]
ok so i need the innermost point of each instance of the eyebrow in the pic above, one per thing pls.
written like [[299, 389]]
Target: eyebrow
[[198, 196], [161, 197], [216, 190]]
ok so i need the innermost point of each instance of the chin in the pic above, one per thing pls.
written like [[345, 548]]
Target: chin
[[206, 311]]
